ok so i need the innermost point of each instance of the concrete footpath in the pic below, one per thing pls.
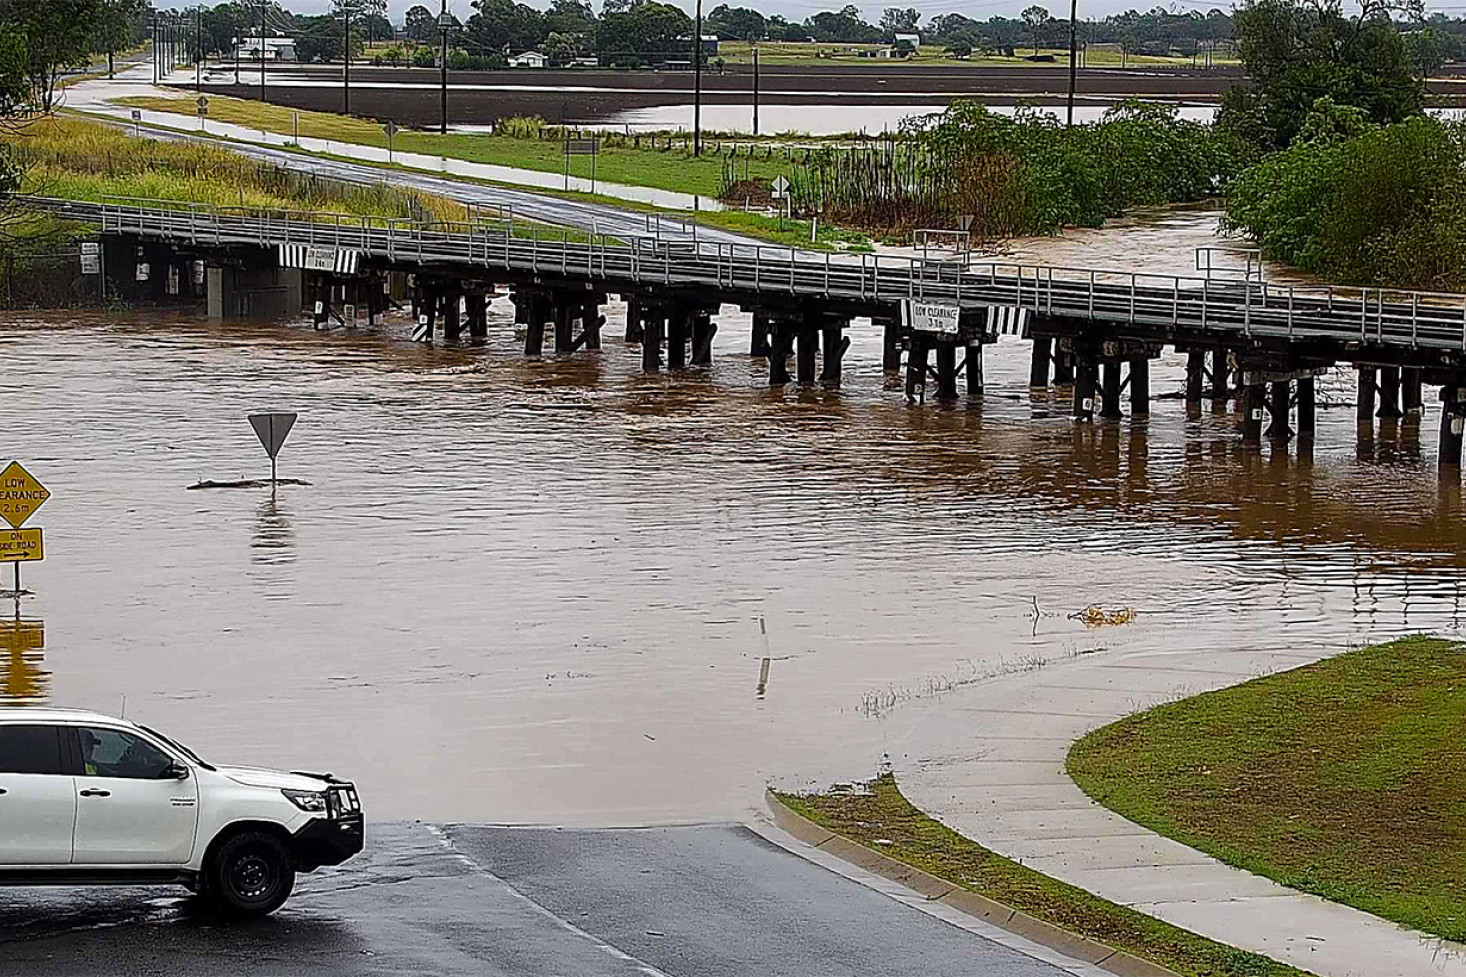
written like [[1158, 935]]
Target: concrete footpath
[[988, 761]]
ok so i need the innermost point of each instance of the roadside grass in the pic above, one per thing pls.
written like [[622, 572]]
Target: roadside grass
[[662, 169], [906, 834], [80, 160], [791, 233], [1345, 778]]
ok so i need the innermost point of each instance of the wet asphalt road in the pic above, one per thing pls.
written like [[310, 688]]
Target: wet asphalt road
[[686, 902]]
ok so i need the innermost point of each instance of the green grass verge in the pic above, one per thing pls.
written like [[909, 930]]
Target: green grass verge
[[1345, 778], [908, 835], [662, 169]]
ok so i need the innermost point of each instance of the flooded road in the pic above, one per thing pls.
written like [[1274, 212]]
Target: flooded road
[[531, 590]]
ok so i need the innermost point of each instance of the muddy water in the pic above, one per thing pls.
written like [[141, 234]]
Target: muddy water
[[523, 590]]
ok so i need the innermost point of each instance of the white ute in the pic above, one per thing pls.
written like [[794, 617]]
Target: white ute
[[87, 799]]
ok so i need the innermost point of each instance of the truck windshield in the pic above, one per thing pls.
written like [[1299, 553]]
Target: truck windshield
[[179, 747]]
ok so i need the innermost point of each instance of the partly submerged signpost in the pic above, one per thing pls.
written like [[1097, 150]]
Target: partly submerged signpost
[[20, 496], [272, 429]]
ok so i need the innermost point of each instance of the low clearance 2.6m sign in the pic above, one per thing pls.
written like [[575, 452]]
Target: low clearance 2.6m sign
[[20, 495]]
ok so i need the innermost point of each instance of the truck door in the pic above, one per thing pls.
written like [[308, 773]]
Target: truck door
[[130, 809], [37, 797]]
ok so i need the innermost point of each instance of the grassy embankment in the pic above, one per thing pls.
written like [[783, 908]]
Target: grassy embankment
[[908, 835], [660, 169], [87, 161], [1345, 778]]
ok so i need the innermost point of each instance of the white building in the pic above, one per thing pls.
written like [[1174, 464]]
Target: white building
[[275, 48], [529, 59], [914, 40]]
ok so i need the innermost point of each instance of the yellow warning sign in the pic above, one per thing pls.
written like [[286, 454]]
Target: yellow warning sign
[[21, 545], [20, 494]]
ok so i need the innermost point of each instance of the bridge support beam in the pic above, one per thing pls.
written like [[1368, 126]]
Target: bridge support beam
[[703, 331], [477, 304], [1110, 391], [650, 326], [807, 346], [1063, 368], [1364, 405], [1195, 378], [1220, 387], [835, 343], [533, 308], [452, 323], [891, 347], [1279, 401], [1453, 424], [781, 340], [1038, 363], [1389, 393], [758, 339], [678, 327], [1410, 394], [1084, 387], [946, 371], [635, 317], [563, 315], [973, 366], [916, 358], [1307, 408], [1139, 388], [1253, 398]]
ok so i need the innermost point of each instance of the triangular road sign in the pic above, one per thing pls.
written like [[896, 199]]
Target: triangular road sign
[[272, 430]]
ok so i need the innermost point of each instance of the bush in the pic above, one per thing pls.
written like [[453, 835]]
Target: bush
[[424, 57], [1384, 207]]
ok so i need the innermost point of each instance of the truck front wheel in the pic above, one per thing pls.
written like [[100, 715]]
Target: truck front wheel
[[251, 875]]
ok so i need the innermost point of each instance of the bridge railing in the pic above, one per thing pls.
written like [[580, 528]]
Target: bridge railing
[[1247, 307]]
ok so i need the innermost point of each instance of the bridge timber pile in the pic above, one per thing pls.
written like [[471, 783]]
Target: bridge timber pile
[[1096, 331]]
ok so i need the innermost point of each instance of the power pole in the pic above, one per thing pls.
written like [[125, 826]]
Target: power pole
[[263, 5], [755, 88], [198, 50], [443, 23], [346, 58], [697, 82], [1073, 53]]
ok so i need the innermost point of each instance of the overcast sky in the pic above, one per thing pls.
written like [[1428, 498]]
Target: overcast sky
[[800, 9]]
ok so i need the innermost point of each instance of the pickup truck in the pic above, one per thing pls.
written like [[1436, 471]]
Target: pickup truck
[[88, 799]]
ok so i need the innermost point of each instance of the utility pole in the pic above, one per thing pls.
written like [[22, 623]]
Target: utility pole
[[443, 23], [346, 58], [198, 50], [697, 82], [755, 88], [1073, 53], [263, 5]]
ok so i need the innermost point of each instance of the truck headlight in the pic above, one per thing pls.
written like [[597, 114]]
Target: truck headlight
[[307, 800]]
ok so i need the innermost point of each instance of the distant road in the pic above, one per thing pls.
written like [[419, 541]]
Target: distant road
[[705, 901]]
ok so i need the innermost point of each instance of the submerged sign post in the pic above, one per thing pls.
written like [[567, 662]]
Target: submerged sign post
[[20, 496], [272, 429]]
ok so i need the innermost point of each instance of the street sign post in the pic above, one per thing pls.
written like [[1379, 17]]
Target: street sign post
[[582, 147], [272, 429], [20, 496], [391, 128], [203, 104], [781, 192], [137, 121]]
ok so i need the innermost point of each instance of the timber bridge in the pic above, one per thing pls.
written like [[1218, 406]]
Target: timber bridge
[[1262, 343]]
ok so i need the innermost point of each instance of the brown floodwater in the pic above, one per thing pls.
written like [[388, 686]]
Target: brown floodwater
[[531, 590]]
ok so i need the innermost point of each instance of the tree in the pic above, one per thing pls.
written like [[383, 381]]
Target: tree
[[649, 31], [420, 24], [574, 17], [899, 20], [58, 36], [737, 23], [1298, 52], [844, 26], [1034, 18], [120, 24], [505, 26]]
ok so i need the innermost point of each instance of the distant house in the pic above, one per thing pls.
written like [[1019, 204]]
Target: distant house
[[529, 59], [912, 41], [275, 49], [709, 45]]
